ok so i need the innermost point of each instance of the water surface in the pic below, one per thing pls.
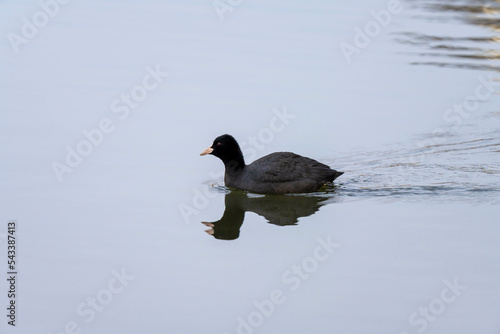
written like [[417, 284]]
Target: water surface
[[412, 120]]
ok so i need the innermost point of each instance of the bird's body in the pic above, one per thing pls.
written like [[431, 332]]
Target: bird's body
[[281, 173], [276, 173]]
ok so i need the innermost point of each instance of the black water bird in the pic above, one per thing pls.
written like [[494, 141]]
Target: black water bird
[[275, 173]]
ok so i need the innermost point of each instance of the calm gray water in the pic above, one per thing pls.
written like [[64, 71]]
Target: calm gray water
[[123, 228]]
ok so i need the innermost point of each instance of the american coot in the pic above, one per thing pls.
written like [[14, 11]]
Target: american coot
[[276, 173]]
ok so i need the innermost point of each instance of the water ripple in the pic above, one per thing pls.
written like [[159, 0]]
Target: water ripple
[[465, 52]]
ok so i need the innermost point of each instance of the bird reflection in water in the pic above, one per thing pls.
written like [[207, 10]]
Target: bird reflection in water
[[279, 210]]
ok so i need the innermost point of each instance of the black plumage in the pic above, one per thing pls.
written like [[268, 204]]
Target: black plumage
[[276, 173]]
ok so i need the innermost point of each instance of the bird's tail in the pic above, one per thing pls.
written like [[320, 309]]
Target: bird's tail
[[336, 174]]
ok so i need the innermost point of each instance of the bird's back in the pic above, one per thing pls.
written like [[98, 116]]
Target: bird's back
[[285, 172]]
